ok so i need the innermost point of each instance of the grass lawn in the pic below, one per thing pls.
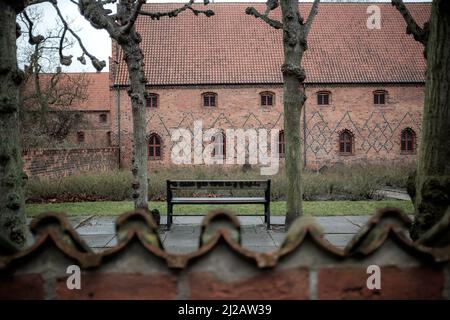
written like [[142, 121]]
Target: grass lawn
[[316, 208]]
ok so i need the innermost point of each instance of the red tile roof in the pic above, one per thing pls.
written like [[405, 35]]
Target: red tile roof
[[97, 91], [232, 47]]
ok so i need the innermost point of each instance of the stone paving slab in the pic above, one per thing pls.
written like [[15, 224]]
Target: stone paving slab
[[99, 232], [97, 240]]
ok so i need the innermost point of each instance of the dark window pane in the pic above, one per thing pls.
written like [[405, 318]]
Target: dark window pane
[[206, 101], [212, 101], [403, 145], [323, 98], [410, 146], [349, 148], [263, 100], [342, 147], [379, 98], [269, 100], [158, 151]]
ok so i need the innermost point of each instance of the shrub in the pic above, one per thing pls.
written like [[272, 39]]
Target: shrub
[[354, 182]]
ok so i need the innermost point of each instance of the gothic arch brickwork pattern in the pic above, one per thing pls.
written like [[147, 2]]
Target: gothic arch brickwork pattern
[[376, 129], [376, 136]]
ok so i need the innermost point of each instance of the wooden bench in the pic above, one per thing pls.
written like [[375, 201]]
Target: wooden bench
[[259, 186]]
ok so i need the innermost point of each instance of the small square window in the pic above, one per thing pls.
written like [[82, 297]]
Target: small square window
[[323, 98], [151, 101], [103, 118], [267, 99], [379, 97], [209, 100]]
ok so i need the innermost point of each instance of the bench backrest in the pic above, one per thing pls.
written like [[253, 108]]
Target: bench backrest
[[218, 184]]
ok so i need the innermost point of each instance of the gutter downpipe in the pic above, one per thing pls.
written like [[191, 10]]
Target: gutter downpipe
[[304, 128], [119, 129]]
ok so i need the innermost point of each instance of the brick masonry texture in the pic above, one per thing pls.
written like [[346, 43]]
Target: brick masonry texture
[[288, 284], [191, 55], [55, 163], [306, 266], [110, 286], [22, 287], [376, 129], [396, 283]]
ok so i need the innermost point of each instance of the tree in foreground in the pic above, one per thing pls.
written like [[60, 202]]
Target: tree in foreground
[[295, 34], [12, 177], [431, 190], [120, 27]]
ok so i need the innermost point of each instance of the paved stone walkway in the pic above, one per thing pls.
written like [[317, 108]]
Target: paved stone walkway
[[98, 232]]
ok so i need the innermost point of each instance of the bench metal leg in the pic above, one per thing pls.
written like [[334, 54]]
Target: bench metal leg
[[169, 215], [267, 215]]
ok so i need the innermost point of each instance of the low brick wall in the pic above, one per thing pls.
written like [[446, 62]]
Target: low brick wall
[[64, 162], [305, 267]]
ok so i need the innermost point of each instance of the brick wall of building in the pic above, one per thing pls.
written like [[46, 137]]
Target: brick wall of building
[[376, 129], [95, 127], [61, 163]]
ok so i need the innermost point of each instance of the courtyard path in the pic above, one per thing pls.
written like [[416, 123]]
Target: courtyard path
[[98, 232]]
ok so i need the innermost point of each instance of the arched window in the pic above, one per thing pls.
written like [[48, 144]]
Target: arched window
[[408, 141], [323, 98], [209, 99], [219, 142], [154, 147], [379, 97], [346, 142], [281, 147], [267, 99], [80, 137], [151, 100]]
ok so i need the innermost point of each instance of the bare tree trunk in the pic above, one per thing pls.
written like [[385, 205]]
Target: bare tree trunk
[[135, 63], [12, 178], [293, 95], [433, 171], [295, 33]]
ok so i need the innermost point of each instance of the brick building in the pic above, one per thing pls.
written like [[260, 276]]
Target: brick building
[[365, 87], [80, 100], [86, 95]]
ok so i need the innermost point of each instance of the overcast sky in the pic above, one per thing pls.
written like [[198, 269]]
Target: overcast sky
[[97, 41]]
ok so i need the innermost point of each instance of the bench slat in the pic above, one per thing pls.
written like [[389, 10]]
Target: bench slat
[[237, 200]]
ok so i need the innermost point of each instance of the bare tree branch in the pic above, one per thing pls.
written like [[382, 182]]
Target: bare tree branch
[[33, 40], [175, 12], [419, 34], [133, 17], [67, 60], [270, 5], [312, 14]]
